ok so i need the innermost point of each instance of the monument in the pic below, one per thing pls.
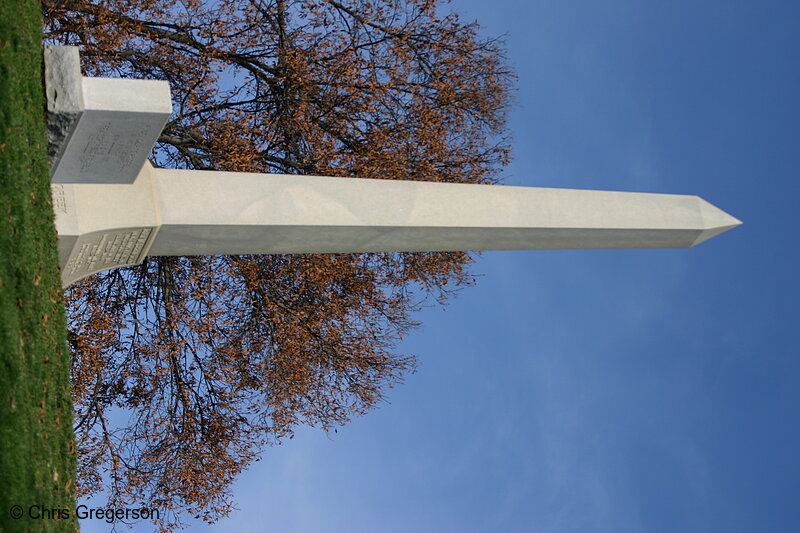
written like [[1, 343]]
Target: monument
[[113, 208]]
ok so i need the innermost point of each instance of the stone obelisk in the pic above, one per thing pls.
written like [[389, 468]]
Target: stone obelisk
[[108, 216]]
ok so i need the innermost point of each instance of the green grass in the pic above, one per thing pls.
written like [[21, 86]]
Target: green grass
[[37, 460]]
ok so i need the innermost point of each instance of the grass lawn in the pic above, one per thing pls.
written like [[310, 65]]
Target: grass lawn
[[37, 460]]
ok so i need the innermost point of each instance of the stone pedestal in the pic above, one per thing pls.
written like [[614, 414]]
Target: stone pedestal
[[101, 130]]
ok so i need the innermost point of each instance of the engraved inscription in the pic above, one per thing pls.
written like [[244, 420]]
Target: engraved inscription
[[110, 143], [59, 199], [127, 155], [108, 250], [94, 146]]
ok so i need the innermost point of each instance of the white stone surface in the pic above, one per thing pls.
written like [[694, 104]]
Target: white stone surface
[[103, 226], [180, 212], [101, 129], [205, 213]]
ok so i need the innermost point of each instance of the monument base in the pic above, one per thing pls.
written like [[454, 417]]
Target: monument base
[[104, 226], [99, 129]]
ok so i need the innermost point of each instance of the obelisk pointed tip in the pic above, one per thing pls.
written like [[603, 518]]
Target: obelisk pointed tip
[[715, 221]]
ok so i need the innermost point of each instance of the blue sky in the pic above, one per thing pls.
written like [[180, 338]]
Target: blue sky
[[624, 391]]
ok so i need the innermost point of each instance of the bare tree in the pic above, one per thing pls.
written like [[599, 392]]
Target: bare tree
[[209, 359]]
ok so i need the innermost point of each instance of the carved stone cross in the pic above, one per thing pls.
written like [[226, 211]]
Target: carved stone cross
[[113, 208]]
